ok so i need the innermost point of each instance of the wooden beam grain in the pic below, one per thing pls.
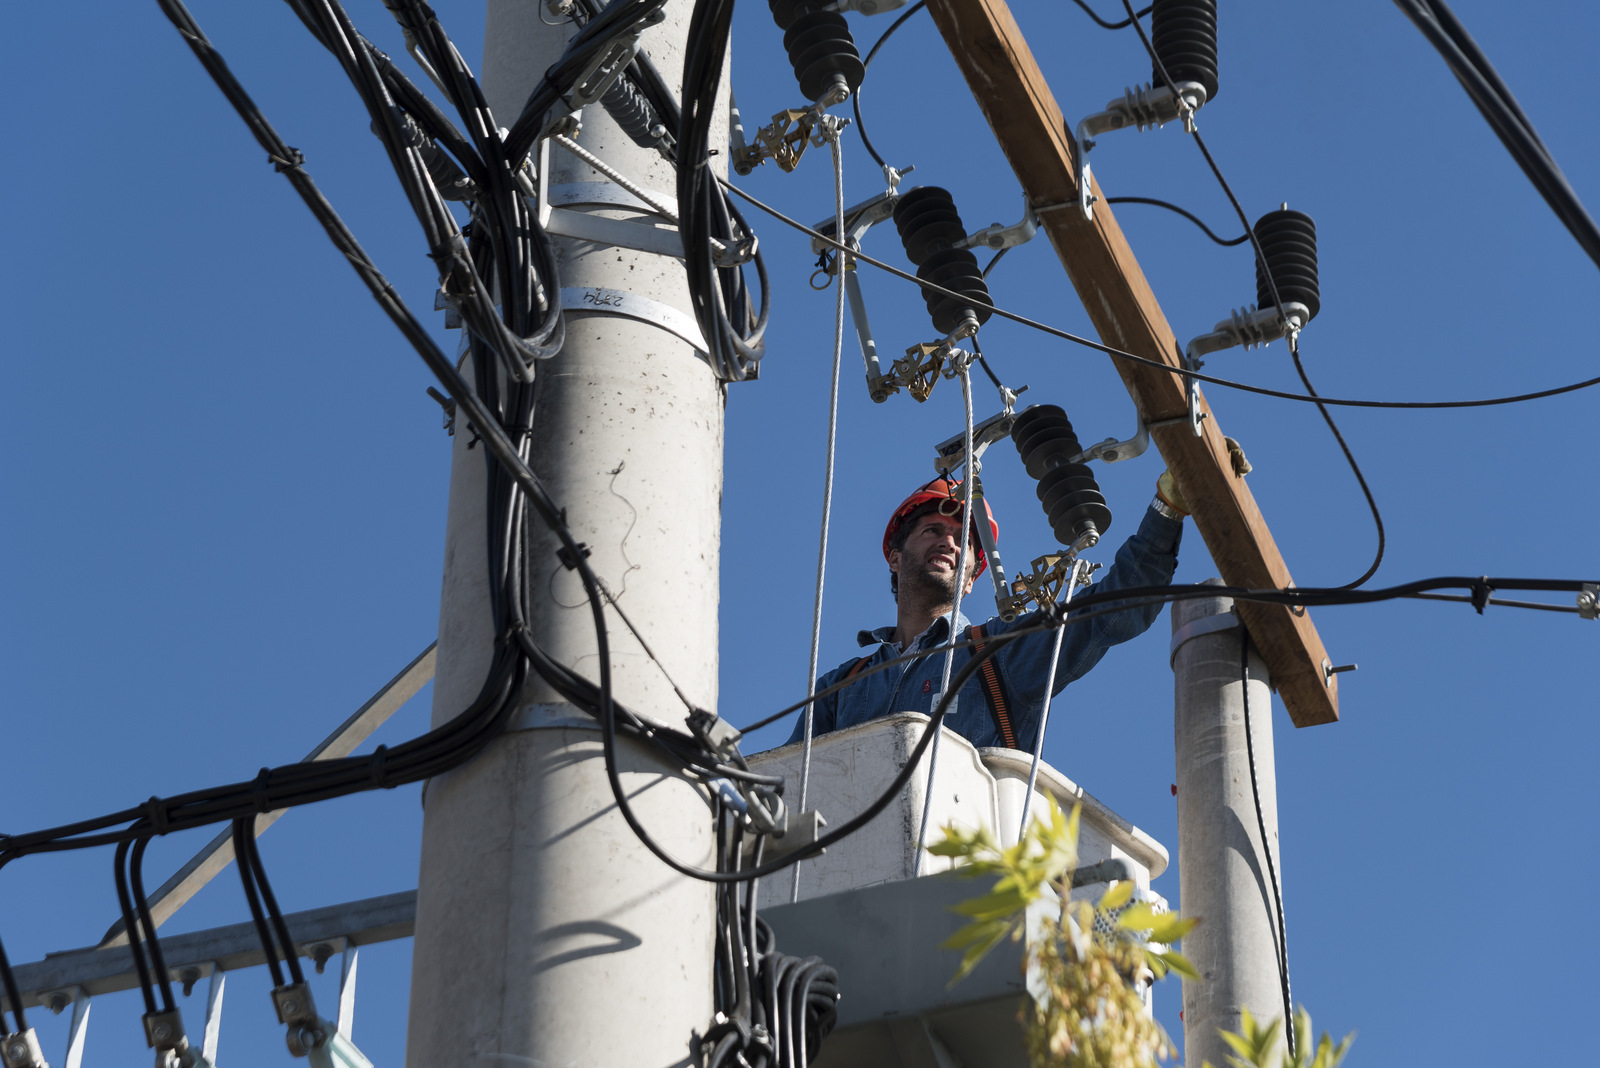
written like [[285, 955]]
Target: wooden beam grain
[[1005, 80]]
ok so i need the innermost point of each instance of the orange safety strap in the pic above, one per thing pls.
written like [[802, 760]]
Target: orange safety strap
[[993, 691]]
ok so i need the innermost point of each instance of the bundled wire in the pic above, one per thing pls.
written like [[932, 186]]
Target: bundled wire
[[1504, 115], [773, 1009], [271, 929], [716, 238], [148, 962]]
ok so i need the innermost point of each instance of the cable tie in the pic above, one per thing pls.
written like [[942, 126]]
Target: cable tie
[[379, 771], [293, 161], [1480, 593], [157, 810], [259, 795]]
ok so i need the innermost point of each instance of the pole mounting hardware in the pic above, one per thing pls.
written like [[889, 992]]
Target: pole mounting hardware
[[1589, 601]]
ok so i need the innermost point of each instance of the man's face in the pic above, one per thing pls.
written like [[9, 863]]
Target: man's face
[[928, 560]]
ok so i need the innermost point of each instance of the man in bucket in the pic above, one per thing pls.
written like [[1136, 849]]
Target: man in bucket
[[1000, 707]]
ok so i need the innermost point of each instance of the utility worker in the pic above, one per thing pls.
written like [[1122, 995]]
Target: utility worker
[[1002, 707]]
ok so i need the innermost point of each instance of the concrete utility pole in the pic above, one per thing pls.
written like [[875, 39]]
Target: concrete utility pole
[[1223, 874], [546, 933]]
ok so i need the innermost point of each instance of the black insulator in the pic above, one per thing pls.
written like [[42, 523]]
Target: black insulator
[[1071, 497], [820, 47], [930, 227], [1289, 245], [1045, 438], [1184, 34], [624, 103]]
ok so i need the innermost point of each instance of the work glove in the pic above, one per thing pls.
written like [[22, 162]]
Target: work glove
[[1171, 496]]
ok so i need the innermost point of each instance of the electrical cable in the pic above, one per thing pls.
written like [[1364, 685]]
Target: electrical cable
[[119, 867], [832, 134], [1092, 607], [998, 256], [1120, 354], [957, 591], [242, 831], [1224, 241], [977, 350], [1281, 933], [1044, 712], [1504, 115], [158, 961], [517, 497], [1087, 10], [258, 872], [1361, 479], [9, 981], [1265, 271], [855, 102]]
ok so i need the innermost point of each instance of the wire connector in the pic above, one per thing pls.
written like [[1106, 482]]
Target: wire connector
[[1589, 601], [716, 734], [20, 1049], [298, 1012]]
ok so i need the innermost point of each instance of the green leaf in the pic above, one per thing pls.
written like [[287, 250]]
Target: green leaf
[[1117, 896], [1169, 927], [1178, 963], [986, 938], [1138, 916], [975, 932]]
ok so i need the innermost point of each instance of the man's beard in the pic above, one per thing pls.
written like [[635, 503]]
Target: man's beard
[[927, 584]]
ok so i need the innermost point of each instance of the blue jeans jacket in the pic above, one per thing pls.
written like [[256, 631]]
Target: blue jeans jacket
[[1148, 558]]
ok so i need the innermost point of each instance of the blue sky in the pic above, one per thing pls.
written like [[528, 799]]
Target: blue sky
[[226, 484]]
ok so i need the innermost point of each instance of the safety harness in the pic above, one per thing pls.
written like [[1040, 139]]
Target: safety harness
[[994, 688]]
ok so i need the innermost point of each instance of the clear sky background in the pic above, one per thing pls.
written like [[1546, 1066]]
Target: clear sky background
[[225, 485]]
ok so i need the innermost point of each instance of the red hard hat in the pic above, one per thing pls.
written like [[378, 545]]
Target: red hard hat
[[940, 490]]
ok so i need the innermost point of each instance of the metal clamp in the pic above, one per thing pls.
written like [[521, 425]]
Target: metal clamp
[[1142, 106], [1589, 601], [632, 306], [1199, 628], [20, 1049], [612, 59], [1249, 328]]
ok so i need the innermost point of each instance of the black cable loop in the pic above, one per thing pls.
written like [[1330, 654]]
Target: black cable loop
[[130, 924], [274, 914], [158, 960], [866, 63], [13, 995], [1227, 242], [243, 833]]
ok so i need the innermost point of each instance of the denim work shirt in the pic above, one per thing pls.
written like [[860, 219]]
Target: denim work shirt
[[1148, 558]]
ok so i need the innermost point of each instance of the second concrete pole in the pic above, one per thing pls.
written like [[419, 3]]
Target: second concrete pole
[[1223, 874]]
